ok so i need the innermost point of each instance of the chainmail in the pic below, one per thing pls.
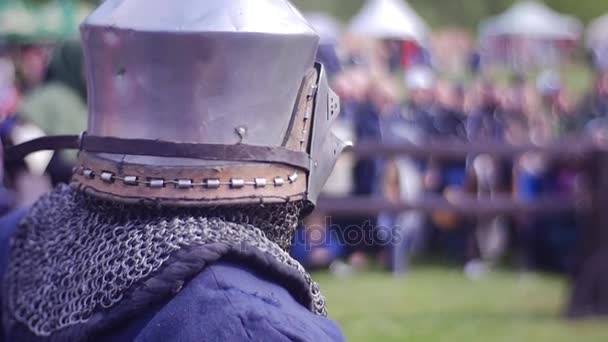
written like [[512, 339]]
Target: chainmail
[[74, 255]]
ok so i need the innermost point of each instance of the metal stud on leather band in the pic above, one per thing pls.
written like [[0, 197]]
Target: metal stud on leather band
[[157, 183], [88, 173], [260, 182], [184, 184], [279, 181], [237, 183], [130, 180], [213, 183], [107, 177]]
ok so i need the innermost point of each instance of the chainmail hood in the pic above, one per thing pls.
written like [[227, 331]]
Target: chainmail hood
[[74, 256]]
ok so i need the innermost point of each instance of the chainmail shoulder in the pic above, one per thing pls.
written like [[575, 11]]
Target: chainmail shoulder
[[75, 256]]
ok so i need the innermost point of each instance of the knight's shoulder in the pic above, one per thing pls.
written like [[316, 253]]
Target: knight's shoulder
[[231, 303], [8, 225]]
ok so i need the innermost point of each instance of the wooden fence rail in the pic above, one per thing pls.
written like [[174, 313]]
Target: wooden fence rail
[[590, 276]]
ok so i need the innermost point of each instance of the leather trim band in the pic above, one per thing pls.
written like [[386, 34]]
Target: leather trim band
[[158, 148], [120, 188]]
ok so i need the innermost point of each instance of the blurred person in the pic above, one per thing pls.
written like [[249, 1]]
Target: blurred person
[[519, 106], [31, 63], [58, 106], [475, 62], [448, 177], [595, 104], [420, 106], [401, 235], [329, 30], [361, 52], [367, 129], [546, 241], [9, 95], [32, 29], [6, 197], [316, 244], [25, 180], [450, 117], [487, 122], [394, 54], [545, 121], [9, 99], [403, 179], [556, 116], [352, 85], [532, 169], [599, 57], [327, 55], [179, 239], [40, 171], [448, 120], [384, 96], [382, 104], [413, 122]]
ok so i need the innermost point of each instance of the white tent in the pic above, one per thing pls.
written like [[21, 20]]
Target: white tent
[[532, 19], [328, 27], [597, 33], [389, 19]]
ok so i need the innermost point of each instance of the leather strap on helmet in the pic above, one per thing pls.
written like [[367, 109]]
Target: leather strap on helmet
[[157, 148]]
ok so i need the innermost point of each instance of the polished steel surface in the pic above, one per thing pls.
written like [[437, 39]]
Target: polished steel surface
[[325, 146], [208, 72], [217, 72], [180, 16]]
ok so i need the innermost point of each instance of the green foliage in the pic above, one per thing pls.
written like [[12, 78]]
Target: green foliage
[[462, 13], [439, 13], [436, 304], [33, 21]]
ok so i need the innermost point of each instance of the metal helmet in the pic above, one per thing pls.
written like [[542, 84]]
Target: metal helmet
[[205, 103]]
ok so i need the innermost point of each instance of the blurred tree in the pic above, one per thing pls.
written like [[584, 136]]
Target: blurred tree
[[26, 21], [439, 13], [463, 13]]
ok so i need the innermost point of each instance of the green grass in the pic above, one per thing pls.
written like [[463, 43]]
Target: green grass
[[435, 304]]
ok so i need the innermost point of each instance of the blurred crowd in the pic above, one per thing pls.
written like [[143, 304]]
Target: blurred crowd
[[391, 95], [42, 92], [392, 92]]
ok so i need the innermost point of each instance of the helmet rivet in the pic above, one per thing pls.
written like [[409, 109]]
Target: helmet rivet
[[279, 181], [293, 178], [237, 183], [107, 177], [212, 183], [260, 182], [157, 183], [184, 183], [88, 173], [130, 180]]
